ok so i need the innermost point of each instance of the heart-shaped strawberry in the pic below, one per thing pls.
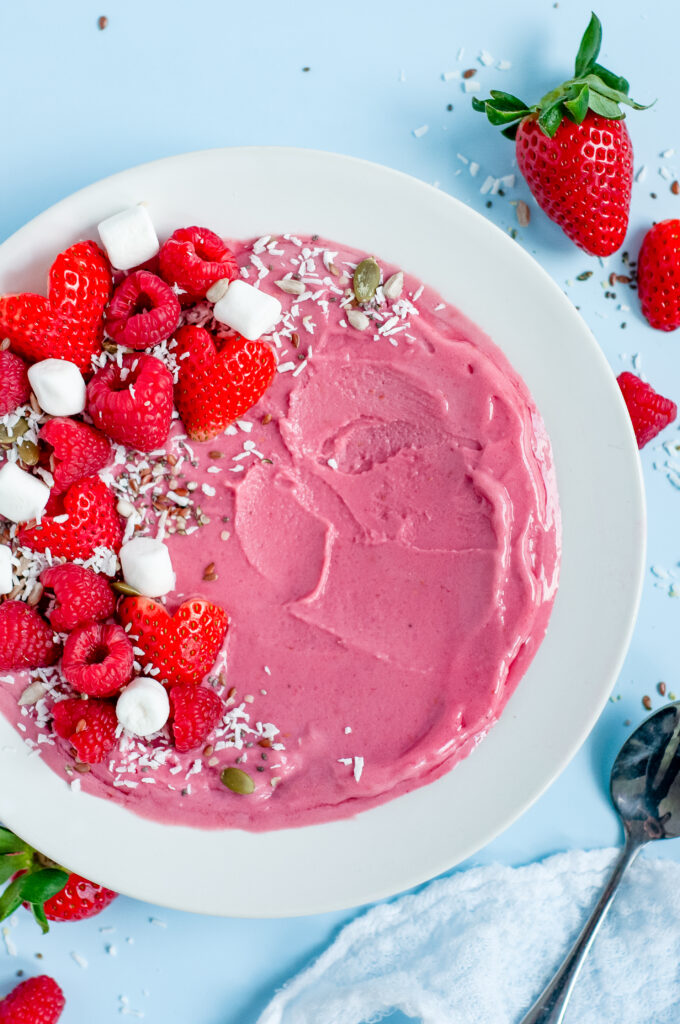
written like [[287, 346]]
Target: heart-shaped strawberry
[[216, 386], [183, 646], [68, 324], [87, 520]]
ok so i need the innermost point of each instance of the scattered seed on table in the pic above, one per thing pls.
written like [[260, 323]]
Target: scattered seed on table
[[470, 73], [675, 188], [662, 689], [647, 703], [102, 22], [523, 213]]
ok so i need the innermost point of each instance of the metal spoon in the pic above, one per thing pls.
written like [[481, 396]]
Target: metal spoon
[[645, 789]]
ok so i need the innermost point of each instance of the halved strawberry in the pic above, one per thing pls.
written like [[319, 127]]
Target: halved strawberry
[[183, 646], [89, 520]]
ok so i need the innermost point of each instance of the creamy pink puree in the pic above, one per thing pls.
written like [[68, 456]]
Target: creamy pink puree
[[393, 567]]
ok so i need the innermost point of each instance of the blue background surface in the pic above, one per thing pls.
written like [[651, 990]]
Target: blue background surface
[[163, 78]]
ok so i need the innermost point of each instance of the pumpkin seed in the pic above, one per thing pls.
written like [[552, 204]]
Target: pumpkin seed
[[8, 436], [357, 319], [237, 781], [125, 588], [29, 453], [366, 279]]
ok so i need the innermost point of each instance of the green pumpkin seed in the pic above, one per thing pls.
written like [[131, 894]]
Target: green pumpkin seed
[[237, 781], [19, 428], [125, 588], [29, 453], [366, 280]]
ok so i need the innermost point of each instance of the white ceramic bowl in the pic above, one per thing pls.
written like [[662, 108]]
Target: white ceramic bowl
[[253, 191]]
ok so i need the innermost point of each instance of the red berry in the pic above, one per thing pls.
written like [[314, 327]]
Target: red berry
[[649, 411], [97, 659], [658, 275], [183, 646], [26, 641], [92, 523], [132, 403], [78, 900], [68, 324], [81, 596], [78, 450], [14, 387], [194, 258], [196, 710], [216, 387], [34, 1001], [88, 725], [582, 178], [143, 311]]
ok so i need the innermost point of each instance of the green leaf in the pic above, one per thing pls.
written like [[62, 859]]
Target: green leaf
[[551, 119], [10, 863], [609, 78], [40, 916], [11, 898], [596, 83], [604, 107], [590, 47], [42, 885], [511, 131], [479, 105], [9, 843], [578, 106], [498, 117], [506, 101]]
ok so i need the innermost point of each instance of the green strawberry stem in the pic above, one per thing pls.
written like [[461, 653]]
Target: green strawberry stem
[[34, 886], [593, 87]]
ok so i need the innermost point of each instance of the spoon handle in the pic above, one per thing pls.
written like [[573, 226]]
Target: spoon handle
[[551, 1005]]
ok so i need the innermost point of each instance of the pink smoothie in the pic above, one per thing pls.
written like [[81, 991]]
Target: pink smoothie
[[383, 529]]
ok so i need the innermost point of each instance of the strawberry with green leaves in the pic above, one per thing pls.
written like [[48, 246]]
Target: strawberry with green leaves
[[574, 149], [49, 891]]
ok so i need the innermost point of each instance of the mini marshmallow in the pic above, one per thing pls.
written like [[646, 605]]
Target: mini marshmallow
[[143, 707], [248, 310], [6, 583], [22, 497], [58, 386], [147, 567], [129, 237]]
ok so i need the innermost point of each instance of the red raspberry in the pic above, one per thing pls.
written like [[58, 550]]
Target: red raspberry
[[649, 411], [143, 311], [77, 451], [97, 659], [78, 900], [196, 711], [194, 258], [26, 641], [81, 596], [91, 522], [88, 725], [132, 403], [14, 387], [34, 1001]]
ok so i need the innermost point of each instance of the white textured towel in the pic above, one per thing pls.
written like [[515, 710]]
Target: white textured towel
[[478, 947]]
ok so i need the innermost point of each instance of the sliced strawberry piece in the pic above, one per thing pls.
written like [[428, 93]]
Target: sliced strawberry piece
[[68, 324], [78, 450], [215, 386], [92, 523], [89, 726], [98, 659], [81, 596], [196, 710], [132, 403], [143, 312], [183, 646], [194, 259], [26, 641], [649, 411]]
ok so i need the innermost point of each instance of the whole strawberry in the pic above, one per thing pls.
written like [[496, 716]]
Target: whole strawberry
[[49, 891], [574, 150], [14, 386], [649, 411], [34, 1001], [658, 275]]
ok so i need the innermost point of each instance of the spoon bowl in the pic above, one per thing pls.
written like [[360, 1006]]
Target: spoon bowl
[[645, 777]]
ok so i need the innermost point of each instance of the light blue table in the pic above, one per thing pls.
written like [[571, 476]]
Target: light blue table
[[167, 77]]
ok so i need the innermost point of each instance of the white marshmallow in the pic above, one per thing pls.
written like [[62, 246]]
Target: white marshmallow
[[22, 496], [6, 583], [248, 310], [129, 237], [143, 707], [147, 567], [58, 386]]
